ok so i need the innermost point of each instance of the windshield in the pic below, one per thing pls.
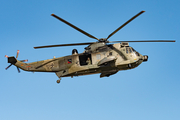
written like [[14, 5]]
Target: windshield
[[136, 52]]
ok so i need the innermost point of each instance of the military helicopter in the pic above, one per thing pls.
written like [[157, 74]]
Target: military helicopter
[[98, 57]]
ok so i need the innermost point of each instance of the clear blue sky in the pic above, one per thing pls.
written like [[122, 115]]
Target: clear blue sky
[[148, 92]]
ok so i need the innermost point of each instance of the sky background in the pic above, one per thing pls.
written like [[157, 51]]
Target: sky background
[[148, 92]]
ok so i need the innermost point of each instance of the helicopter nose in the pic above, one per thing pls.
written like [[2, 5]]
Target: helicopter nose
[[145, 58]]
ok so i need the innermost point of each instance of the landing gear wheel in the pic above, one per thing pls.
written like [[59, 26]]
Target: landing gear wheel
[[58, 81]]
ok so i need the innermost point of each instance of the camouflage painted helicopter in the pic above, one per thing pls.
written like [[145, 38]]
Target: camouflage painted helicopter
[[98, 57]]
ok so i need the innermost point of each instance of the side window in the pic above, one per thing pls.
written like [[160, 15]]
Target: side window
[[98, 56], [110, 53]]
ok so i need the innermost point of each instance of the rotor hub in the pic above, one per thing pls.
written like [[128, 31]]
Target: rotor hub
[[103, 40]]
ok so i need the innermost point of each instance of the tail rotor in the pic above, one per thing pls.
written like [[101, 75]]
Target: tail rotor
[[11, 60]]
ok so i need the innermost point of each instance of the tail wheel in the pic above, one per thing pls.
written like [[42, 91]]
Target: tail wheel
[[58, 81]]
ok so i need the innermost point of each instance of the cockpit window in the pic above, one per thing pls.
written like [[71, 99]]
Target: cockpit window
[[136, 52], [127, 50], [130, 50], [133, 50]]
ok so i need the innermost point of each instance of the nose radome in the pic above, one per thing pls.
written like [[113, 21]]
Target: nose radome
[[145, 58]]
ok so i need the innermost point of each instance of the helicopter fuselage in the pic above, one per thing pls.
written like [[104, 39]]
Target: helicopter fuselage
[[106, 60]]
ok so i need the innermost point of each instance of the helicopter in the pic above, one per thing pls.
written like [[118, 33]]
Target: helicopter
[[103, 56]]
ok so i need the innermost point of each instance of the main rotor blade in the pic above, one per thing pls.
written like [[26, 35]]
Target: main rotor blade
[[60, 45], [125, 24], [144, 41], [73, 26]]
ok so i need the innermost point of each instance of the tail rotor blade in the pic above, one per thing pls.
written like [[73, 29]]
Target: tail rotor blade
[[24, 60], [6, 56], [8, 66], [18, 70], [17, 54]]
